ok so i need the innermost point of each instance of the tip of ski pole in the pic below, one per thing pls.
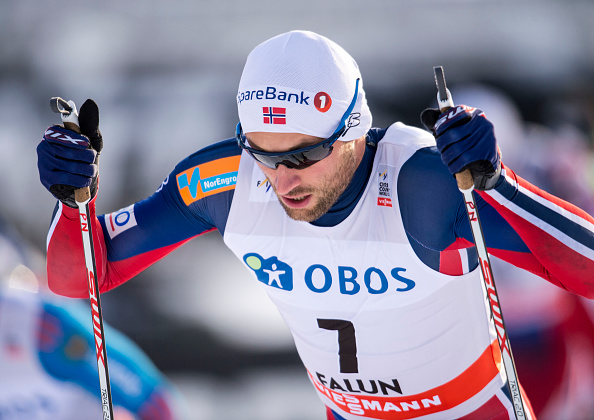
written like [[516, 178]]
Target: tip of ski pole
[[61, 106], [444, 97]]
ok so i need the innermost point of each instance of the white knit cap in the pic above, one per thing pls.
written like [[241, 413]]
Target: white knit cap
[[301, 82]]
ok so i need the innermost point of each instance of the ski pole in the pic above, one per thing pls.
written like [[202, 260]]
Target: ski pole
[[82, 196], [466, 186]]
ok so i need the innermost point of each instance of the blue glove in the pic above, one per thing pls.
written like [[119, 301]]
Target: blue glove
[[67, 160], [466, 140]]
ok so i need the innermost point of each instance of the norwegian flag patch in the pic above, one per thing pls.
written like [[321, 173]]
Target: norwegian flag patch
[[274, 115]]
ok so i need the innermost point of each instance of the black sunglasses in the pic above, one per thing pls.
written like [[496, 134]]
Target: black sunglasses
[[303, 157]]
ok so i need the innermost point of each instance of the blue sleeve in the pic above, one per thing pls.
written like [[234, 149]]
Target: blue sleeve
[[434, 214], [195, 198]]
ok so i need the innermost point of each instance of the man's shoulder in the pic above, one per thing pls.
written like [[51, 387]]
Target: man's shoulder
[[424, 178], [421, 157], [208, 172], [400, 134], [214, 154]]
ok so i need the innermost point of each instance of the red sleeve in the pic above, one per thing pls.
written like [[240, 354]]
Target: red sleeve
[[131, 239], [66, 270], [560, 236]]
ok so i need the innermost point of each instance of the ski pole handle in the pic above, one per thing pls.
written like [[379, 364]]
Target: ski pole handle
[[445, 101], [465, 180], [69, 115]]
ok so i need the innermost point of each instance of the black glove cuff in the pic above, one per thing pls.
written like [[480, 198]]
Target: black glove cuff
[[483, 174], [65, 193], [429, 117]]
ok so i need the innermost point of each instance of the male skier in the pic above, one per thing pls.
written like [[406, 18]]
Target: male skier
[[359, 235]]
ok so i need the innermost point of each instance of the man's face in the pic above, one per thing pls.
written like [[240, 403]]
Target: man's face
[[307, 194]]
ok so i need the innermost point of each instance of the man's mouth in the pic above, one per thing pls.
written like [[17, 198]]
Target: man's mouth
[[297, 202]]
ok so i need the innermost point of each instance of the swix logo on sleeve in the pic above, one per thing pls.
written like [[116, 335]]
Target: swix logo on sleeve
[[384, 195], [120, 221], [320, 279], [274, 115], [270, 271], [207, 179]]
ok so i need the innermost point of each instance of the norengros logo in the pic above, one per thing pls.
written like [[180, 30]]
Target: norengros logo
[[320, 279]]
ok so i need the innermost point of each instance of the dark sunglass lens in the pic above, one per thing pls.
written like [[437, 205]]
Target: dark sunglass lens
[[292, 164], [268, 161], [317, 154], [296, 160]]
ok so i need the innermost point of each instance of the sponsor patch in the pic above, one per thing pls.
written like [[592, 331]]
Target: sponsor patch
[[319, 278], [384, 194], [260, 190], [322, 101], [270, 271], [274, 93], [120, 221], [207, 179]]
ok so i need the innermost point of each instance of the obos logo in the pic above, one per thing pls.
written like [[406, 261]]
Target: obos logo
[[270, 271], [320, 279]]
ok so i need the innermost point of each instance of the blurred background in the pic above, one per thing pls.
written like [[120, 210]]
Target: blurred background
[[165, 76]]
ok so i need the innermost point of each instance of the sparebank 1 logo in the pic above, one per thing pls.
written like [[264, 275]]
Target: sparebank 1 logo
[[270, 271]]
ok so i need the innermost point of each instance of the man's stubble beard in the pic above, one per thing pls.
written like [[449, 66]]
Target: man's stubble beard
[[332, 187]]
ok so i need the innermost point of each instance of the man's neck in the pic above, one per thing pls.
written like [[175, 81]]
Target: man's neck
[[350, 197]]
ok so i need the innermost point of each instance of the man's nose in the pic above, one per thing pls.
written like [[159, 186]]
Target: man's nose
[[286, 179]]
